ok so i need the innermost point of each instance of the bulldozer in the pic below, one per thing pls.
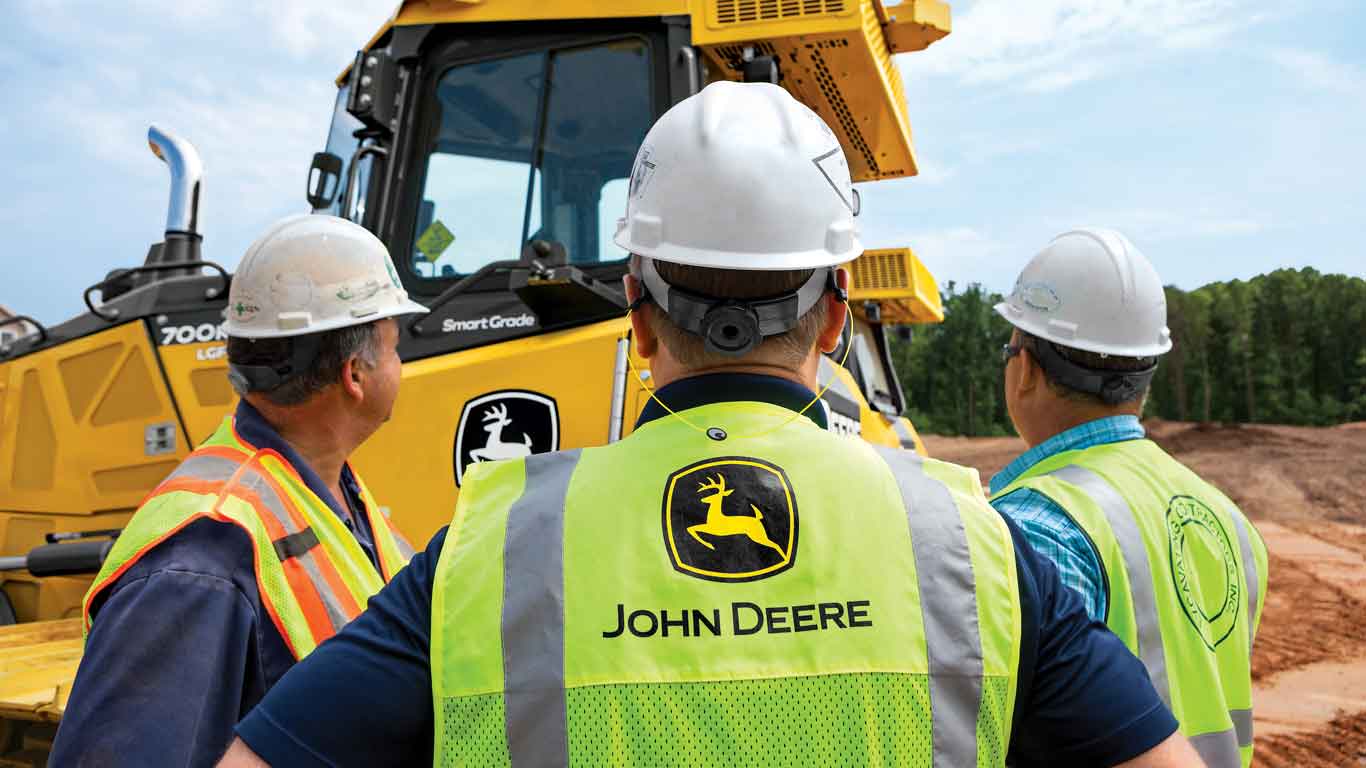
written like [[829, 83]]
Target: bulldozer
[[490, 145]]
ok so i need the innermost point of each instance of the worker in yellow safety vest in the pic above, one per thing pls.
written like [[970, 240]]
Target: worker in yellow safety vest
[[1161, 556], [733, 583], [263, 542]]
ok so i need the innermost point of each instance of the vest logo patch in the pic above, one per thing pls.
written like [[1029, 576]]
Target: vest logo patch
[[730, 519], [1204, 569], [509, 424]]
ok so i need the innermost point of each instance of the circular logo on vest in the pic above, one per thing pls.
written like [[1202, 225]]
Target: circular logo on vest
[[1204, 568], [730, 519]]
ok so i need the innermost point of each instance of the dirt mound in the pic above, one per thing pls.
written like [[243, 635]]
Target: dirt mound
[[1276, 472], [1305, 621], [1342, 743]]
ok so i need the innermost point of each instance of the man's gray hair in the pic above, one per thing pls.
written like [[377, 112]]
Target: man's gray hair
[[334, 349]]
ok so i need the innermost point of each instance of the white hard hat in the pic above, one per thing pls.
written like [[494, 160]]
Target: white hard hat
[[741, 176], [313, 273], [1092, 290]]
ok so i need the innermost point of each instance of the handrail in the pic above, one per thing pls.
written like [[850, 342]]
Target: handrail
[[119, 274]]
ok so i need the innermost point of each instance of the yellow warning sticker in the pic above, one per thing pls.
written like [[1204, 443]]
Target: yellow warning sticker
[[435, 241]]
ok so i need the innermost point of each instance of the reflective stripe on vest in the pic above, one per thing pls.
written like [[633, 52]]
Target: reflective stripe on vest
[[533, 615], [1121, 518], [948, 600], [1253, 583], [1220, 749], [393, 549]]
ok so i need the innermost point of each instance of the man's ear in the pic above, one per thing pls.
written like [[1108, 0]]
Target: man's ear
[[835, 316], [645, 339], [353, 374]]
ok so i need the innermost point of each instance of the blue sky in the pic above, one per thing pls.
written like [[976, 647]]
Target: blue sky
[[1226, 137]]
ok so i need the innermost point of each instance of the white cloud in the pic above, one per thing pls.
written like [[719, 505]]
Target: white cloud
[[308, 27], [1319, 71], [1058, 79], [1049, 45]]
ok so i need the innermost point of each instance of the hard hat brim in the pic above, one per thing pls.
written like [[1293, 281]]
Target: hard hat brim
[[1017, 319], [406, 307], [712, 259]]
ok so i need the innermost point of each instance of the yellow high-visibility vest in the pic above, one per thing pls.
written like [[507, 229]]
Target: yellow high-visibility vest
[[313, 576], [1187, 580], [703, 598]]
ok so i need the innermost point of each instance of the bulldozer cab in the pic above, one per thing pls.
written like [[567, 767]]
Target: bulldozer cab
[[513, 134], [513, 145]]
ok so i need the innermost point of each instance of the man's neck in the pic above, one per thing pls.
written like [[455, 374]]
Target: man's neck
[[318, 434], [1062, 419], [666, 371]]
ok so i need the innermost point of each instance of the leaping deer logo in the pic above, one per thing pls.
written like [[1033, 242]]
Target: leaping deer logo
[[721, 524], [495, 419]]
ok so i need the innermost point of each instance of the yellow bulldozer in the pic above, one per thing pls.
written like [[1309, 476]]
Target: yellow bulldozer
[[489, 144]]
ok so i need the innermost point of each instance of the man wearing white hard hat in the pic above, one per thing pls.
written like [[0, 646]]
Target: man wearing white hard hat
[[264, 542], [1166, 560], [732, 583]]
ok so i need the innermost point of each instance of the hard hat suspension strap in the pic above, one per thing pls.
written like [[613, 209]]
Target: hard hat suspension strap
[[734, 327], [303, 350], [1114, 387]]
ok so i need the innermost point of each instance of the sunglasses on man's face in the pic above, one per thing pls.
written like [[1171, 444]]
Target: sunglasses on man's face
[[1010, 350]]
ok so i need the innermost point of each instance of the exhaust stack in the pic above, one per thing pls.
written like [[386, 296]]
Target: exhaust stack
[[187, 172], [182, 213]]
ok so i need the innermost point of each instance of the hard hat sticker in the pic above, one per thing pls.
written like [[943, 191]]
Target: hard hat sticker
[[244, 309], [1038, 296], [730, 519], [359, 292], [832, 166], [643, 171], [435, 240], [508, 424]]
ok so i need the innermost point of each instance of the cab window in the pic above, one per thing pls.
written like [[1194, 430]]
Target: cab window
[[533, 146]]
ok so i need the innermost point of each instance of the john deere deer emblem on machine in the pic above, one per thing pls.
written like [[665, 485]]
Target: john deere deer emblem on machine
[[509, 424]]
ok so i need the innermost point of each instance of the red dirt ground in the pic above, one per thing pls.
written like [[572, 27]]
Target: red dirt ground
[[1305, 489]]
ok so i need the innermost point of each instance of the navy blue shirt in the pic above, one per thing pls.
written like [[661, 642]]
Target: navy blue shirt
[[364, 698], [181, 646]]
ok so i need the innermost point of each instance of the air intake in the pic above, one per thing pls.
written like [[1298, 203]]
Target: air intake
[[743, 11]]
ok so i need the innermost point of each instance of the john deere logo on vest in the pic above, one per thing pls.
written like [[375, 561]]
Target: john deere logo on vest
[[731, 519], [505, 425], [1204, 568]]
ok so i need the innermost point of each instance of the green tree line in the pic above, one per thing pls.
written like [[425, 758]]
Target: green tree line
[[1287, 347]]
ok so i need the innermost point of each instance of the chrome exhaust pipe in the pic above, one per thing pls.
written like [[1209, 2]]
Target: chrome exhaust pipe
[[187, 173]]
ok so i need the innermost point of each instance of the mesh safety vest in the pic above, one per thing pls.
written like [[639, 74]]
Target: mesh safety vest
[[1186, 576], [796, 598], [312, 574]]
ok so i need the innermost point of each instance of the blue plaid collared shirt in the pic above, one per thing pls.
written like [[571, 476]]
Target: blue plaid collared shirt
[[1046, 525]]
